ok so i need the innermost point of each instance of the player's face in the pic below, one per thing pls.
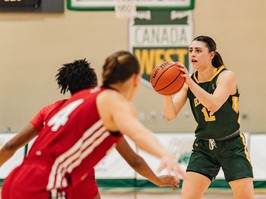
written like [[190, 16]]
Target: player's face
[[199, 55]]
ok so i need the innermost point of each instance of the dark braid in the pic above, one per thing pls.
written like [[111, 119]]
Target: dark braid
[[76, 76]]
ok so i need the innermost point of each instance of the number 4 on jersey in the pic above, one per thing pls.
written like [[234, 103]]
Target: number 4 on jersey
[[61, 118]]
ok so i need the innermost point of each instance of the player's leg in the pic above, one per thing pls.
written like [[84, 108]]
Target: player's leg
[[194, 185], [243, 188], [201, 170], [238, 170]]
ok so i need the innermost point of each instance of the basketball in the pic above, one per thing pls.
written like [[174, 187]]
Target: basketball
[[166, 78]]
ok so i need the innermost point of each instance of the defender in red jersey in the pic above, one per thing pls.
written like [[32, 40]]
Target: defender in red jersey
[[63, 176]]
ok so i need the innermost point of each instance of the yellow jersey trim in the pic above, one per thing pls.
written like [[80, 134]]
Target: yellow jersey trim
[[215, 74]]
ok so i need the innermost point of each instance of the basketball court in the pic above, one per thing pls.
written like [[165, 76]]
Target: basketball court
[[127, 194], [153, 16], [134, 10], [211, 194]]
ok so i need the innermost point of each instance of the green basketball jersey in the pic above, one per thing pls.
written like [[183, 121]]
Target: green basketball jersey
[[216, 125]]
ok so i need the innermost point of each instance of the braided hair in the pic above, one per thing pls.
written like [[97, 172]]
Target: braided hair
[[76, 76]]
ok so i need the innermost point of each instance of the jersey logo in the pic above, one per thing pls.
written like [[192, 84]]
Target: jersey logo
[[196, 102], [61, 117]]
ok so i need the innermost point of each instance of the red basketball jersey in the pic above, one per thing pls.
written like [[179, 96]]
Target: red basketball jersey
[[39, 120], [86, 189], [72, 141]]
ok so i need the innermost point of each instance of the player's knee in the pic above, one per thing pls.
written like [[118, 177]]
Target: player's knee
[[244, 194], [189, 194]]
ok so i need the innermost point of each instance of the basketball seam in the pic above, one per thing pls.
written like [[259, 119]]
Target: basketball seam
[[162, 74], [169, 83]]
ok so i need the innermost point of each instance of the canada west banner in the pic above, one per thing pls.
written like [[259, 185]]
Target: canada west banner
[[158, 36]]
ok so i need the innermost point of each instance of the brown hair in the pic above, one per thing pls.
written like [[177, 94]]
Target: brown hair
[[119, 67], [217, 60]]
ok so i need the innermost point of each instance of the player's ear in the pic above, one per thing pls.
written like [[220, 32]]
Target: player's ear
[[212, 54], [136, 80]]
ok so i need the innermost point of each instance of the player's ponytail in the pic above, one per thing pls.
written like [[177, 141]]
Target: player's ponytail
[[119, 67], [217, 60]]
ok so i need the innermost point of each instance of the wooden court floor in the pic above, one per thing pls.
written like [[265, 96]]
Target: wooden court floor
[[211, 194]]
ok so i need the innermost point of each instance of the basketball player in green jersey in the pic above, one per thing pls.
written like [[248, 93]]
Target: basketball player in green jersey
[[213, 96]]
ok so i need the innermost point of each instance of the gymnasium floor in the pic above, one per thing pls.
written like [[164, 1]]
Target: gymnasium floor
[[211, 194]]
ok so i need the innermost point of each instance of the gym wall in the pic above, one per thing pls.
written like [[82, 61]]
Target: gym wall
[[34, 45]]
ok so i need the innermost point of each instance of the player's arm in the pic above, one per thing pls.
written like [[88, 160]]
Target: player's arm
[[172, 105], [140, 166], [22, 138], [19, 140], [129, 125], [118, 114], [225, 86]]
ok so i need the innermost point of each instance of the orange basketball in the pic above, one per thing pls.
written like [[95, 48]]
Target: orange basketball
[[166, 78]]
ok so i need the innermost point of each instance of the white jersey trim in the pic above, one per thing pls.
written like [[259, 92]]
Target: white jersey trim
[[70, 159]]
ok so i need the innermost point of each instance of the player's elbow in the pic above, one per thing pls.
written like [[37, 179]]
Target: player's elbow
[[213, 108], [214, 104], [169, 117], [136, 162], [9, 147]]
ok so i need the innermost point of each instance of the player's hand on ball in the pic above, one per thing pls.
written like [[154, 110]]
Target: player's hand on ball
[[166, 78], [185, 74]]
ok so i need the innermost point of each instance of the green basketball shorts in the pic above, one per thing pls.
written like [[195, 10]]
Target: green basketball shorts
[[208, 156]]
